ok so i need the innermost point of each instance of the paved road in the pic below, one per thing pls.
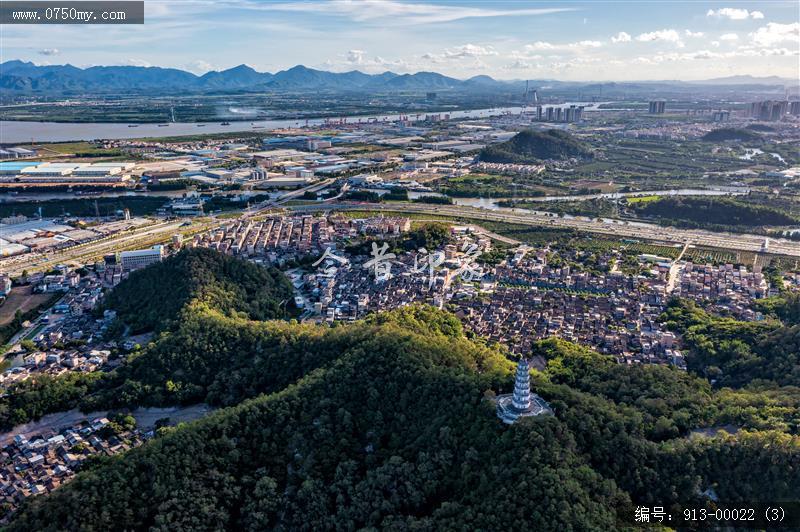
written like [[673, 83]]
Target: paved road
[[94, 249], [618, 229], [675, 269], [145, 419], [289, 196]]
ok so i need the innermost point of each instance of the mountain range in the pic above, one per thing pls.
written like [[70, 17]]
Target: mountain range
[[19, 77]]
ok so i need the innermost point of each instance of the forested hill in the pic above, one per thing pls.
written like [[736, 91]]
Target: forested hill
[[387, 423], [533, 146], [738, 353], [722, 213], [153, 297], [730, 133]]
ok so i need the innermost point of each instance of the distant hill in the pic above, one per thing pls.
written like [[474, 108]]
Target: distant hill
[[748, 80], [238, 77], [19, 77], [22, 77], [728, 133], [532, 146]]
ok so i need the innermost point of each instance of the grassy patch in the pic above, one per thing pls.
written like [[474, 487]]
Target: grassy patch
[[642, 199], [23, 299]]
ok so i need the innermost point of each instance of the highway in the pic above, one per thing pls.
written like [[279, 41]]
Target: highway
[[161, 231], [259, 208], [83, 253], [613, 228], [139, 238]]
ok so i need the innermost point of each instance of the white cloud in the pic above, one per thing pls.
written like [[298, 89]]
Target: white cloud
[[674, 57], [690, 33], [199, 67], [664, 35], [573, 46], [715, 43], [400, 12], [774, 33], [138, 62], [540, 45], [469, 50], [729, 37], [49, 51], [356, 56], [621, 37], [521, 64], [360, 59], [733, 13]]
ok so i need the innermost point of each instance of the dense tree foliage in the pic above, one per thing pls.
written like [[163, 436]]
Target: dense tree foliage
[[533, 146], [164, 296], [87, 207], [35, 397], [712, 211], [731, 133], [429, 235], [438, 200], [785, 307], [153, 297], [734, 353], [386, 424], [363, 195]]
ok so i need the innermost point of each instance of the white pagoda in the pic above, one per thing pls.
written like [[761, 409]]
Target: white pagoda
[[521, 403]]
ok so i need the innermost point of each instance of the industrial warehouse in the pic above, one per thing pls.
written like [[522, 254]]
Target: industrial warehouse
[[49, 173]]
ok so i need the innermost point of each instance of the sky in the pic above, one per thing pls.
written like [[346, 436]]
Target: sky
[[566, 40]]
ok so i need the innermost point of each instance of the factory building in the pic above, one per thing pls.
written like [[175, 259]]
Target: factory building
[[133, 260]]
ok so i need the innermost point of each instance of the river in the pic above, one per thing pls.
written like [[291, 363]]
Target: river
[[12, 131], [749, 153]]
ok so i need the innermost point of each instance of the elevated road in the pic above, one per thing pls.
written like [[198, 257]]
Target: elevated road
[[612, 228], [156, 233], [139, 238]]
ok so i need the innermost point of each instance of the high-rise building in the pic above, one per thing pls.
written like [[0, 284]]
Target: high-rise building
[[133, 260], [721, 116], [558, 114], [539, 113], [769, 110], [550, 114], [794, 108], [521, 403], [657, 107]]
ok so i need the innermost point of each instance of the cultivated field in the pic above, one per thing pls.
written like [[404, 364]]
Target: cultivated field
[[20, 298]]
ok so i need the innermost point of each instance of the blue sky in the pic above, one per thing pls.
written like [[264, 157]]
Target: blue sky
[[589, 40]]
